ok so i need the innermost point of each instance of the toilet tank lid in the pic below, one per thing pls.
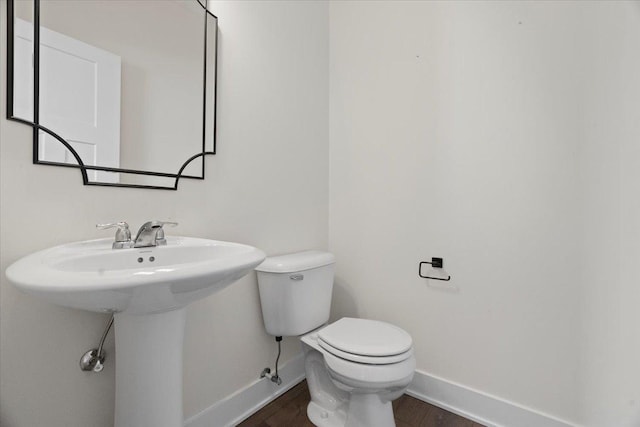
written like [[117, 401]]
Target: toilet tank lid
[[298, 261]]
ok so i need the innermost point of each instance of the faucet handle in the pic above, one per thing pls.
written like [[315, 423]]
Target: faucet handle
[[123, 235], [160, 239]]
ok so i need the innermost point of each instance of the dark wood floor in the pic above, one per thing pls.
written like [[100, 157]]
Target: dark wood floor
[[290, 410]]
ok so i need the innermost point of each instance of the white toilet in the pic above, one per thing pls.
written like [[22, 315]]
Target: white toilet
[[354, 367]]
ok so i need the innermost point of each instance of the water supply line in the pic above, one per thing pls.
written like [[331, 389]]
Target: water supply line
[[266, 372], [93, 360]]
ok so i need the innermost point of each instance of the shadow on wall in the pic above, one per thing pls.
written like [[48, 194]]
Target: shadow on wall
[[342, 302], [445, 287]]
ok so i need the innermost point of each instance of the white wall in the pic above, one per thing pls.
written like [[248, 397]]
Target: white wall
[[268, 186], [502, 136], [611, 211]]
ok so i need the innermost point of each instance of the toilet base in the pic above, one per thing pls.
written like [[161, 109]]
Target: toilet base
[[321, 417], [369, 410], [363, 410]]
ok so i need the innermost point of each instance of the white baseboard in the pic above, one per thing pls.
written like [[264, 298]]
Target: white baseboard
[[477, 406], [232, 410]]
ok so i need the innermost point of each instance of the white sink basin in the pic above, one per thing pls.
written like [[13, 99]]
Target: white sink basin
[[92, 276]]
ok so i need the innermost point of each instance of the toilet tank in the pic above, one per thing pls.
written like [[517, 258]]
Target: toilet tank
[[295, 291]]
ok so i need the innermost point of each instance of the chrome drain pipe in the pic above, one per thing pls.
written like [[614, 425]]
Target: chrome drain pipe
[[93, 360]]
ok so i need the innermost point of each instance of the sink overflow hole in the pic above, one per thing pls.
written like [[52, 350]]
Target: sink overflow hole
[[140, 259], [152, 258]]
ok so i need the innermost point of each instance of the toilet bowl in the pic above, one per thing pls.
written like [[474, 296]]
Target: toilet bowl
[[354, 367]]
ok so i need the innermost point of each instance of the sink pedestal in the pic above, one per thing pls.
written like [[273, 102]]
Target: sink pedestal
[[149, 369]]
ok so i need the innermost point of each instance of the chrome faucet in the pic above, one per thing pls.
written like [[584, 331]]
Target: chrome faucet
[[151, 234]]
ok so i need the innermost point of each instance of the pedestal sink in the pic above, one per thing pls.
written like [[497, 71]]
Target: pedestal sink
[[147, 289]]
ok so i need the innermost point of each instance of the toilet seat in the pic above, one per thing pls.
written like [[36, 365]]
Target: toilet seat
[[369, 360], [366, 341]]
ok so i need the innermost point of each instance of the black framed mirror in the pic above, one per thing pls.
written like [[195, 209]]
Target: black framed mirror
[[123, 90]]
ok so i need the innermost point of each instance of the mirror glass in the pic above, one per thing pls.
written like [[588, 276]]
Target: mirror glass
[[122, 89]]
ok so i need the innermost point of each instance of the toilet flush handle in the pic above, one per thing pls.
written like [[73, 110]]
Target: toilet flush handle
[[296, 277]]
